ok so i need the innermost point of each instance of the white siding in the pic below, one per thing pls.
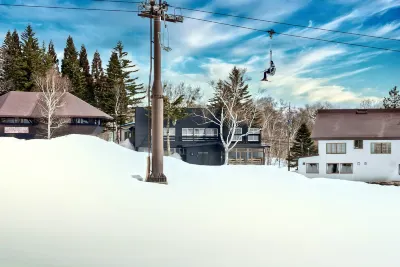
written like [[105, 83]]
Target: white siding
[[366, 166]]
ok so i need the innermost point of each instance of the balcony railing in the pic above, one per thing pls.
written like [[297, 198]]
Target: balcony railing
[[192, 138]]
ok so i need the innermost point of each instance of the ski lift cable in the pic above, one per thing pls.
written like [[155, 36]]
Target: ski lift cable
[[293, 35], [263, 20], [289, 24], [210, 21]]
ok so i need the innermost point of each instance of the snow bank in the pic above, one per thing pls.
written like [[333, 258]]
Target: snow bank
[[127, 144], [72, 201]]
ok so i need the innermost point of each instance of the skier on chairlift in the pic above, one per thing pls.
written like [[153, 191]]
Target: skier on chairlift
[[270, 71]]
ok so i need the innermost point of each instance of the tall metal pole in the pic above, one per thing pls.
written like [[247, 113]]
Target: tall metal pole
[[289, 122], [157, 111], [157, 13]]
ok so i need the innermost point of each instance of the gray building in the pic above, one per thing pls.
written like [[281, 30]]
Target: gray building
[[198, 142]]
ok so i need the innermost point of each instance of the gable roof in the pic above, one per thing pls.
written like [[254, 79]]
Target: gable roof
[[25, 105], [342, 124]]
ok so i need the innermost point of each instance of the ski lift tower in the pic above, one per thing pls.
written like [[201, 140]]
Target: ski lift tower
[[157, 12]]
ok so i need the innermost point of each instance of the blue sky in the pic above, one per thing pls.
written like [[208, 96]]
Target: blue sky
[[307, 70]]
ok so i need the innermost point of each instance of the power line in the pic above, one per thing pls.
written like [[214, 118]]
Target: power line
[[284, 23], [263, 20], [292, 35], [210, 21], [70, 8], [117, 1]]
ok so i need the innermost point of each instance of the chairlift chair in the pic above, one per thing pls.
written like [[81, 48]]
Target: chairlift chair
[[272, 69]]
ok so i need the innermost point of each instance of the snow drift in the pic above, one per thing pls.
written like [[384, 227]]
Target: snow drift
[[72, 201]]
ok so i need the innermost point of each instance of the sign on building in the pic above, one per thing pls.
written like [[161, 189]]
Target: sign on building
[[16, 130]]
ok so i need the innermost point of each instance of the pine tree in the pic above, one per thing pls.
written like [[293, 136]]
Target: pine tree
[[88, 82], [14, 75], [135, 93], [115, 86], [51, 52], [3, 85], [303, 145], [235, 87], [32, 56], [70, 68], [393, 101], [99, 81]]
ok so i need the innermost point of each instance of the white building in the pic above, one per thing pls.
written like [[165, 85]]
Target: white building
[[360, 145]]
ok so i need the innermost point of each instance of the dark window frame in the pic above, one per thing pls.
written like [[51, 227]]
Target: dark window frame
[[327, 168], [91, 121], [379, 145], [360, 144], [336, 145], [307, 164], [352, 170]]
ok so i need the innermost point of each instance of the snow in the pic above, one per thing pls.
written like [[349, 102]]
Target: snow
[[127, 144], [176, 156], [72, 201]]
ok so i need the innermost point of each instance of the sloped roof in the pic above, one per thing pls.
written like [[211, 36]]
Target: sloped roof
[[341, 124], [25, 105]]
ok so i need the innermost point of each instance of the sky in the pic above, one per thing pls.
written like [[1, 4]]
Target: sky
[[307, 70]]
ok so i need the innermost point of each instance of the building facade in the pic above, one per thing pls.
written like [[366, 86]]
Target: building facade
[[199, 143], [359, 145], [21, 116]]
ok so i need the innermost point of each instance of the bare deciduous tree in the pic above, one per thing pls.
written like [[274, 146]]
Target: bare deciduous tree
[[53, 89], [229, 118], [371, 103], [118, 87]]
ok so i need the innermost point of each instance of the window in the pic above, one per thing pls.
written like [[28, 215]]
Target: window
[[254, 131], [127, 135], [187, 131], [253, 138], [381, 148], [237, 136], [312, 168], [339, 148], [211, 132], [171, 131], [199, 132], [346, 168], [85, 121], [399, 169], [16, 121], [358, 144], [332, 168]]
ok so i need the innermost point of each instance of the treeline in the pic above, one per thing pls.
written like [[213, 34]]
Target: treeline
[[113, 90]]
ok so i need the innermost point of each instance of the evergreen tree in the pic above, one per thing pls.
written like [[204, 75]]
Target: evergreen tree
[[32, 58], [303, 145], [14, 75], [70, 68], [393, 101], [116, 86], [51, 52], [235, 89], [88, 82], [99, 82], [135, 93]]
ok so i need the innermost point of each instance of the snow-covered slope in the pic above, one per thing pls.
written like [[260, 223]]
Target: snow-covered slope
[[71, 202]]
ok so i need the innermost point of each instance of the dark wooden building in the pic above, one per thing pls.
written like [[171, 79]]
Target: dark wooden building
[[21, 116], [199, 143]]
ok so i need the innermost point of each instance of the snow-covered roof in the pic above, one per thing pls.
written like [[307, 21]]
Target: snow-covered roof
[[342, 124]]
